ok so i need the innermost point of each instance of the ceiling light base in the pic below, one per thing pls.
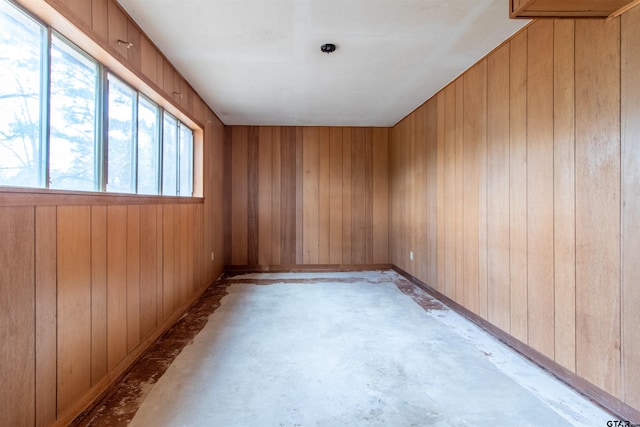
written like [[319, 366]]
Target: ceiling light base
[[328, 48]]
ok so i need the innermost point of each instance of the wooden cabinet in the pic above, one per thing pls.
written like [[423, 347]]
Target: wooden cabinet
[[569, 9], [118, 29]]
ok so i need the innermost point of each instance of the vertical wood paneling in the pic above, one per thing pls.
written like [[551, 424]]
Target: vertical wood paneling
[[276, 200], [100, 18], [335, 196], [518, 186], [160, 250], [149, 61], [315, 191], [134, 52], [133, 277], [347, 196], [189, 265], [183, 249], [597, 201], [252, 194], [431, 192], [499, 312], [299, 211], [564, 247], [481, 140], [17, 314], [227, 193], [540, 273], [116, 285], [81, 9], [239, 194], [45, 315], [394, 172], [358, 204], [168, 79], [265, 184], [447, 119], [324, 194], [201, 255], [631, 205], [417, 225], [74, 303], [536, 165], [149, 242], [117, 28], [310, 188], [441, 207], [460, 185], [288, 213], [404, 204], [380, 162], [474, 137], [368, 196], [98, 293]]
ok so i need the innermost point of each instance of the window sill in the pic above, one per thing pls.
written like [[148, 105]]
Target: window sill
[[16, 196]]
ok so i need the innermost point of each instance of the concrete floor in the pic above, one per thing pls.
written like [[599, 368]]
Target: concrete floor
[[356, 349]]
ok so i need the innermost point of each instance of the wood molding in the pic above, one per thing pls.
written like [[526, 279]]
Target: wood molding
[[610, 403], [13, 196], [293, 268]]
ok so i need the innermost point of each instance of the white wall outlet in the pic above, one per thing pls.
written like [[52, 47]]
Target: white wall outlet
[[411, 255]]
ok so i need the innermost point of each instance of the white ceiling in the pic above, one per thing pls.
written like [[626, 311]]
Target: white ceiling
[[259, 62]]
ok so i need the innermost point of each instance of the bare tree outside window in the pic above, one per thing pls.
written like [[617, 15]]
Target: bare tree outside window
[[21, 45]]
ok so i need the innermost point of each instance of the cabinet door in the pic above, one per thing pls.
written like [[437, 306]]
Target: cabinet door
[[100, 18], [118, 26], [574, 9], [133, 52]]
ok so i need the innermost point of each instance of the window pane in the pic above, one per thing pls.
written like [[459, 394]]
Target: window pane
[[148, 146], [169, 155], [74, 81], [186, 161], [20, 96], [122, 144]]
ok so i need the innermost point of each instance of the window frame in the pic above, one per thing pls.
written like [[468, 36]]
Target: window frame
[[107, 64]]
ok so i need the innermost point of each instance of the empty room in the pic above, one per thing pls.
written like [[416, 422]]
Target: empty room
[[319, 212]]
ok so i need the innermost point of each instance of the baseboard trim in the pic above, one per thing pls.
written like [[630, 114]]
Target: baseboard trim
[[295, 268], [602, 398]]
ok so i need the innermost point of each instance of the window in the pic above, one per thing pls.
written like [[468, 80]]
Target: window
[[73, 151], [185, 157], [121, 169], [23, 47], [169, 155], [148, 147], [67, 123], [177, 155]]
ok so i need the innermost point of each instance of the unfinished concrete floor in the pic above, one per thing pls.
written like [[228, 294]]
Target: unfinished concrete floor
[[356, 349]]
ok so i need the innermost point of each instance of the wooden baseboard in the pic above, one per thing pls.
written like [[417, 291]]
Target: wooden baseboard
[[607, 401], [295, 268]]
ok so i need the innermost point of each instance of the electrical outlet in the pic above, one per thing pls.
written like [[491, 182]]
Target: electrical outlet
[[411, 255]]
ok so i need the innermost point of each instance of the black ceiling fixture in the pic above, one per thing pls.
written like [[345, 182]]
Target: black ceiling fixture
[[328, 47]]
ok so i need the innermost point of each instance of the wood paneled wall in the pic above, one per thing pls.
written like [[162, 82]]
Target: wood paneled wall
[[84, 288], [306, 195], [89, 280], [517, 187]]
